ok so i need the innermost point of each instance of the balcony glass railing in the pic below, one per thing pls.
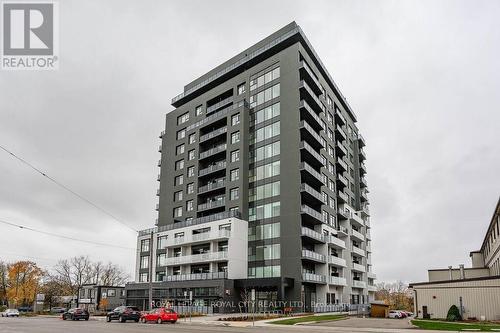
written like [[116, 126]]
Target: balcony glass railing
[[215, 167], [311, 277], [313, 255], [310, 150], [314, 213], [337, 281], [358, 251], [196, 276], [312, 234], [312, 171], [358, 284], [213, 151], [217, 115], [213, 134], [357, 235], [220, 104], [212, 186], [311, 191], [204, 236], [310, 111], [312, 97], [219, 202], [337, 261], [336, 241], [203, 257], [358, 267], [313, 133]]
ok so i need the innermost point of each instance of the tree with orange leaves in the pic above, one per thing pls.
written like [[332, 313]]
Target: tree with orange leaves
[[23, 282]]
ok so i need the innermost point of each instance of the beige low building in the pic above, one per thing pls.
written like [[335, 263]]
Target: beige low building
[[475, 290]]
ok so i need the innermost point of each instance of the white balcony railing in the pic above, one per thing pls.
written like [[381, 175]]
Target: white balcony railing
[[310, 277], [358, 284], [337, 281], [195, 258], [358, 251], [358, 267], [336, 242], [337, 261], [204, 236]]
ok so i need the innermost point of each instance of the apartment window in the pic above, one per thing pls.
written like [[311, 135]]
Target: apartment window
[[191, 155], [266, 231], [183, 118], [241, 89], [330, 134], [144, 262], [330, 150], [161, 242], [179, 180], [264, 171], [235, 119], [178, 196], [190, 171], [145, 245], [192, 138], [264, 152], [234, 209], [266, 114], [189, 205], [161, 259], [179, 149], [264, 271], [178, 212], [265, 96], [226, 226], [181, 134], [235, 156], [198, 110], [264, 78], [143, 277], [235, 137], [264, 191], [190, 188], [264, 211], [332, 202], [234, 175], [179, 165], [266, 132], [234, 194], [264, 252], [329, 101]]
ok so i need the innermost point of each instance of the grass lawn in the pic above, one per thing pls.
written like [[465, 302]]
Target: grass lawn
[[449, 326], [304, 319]]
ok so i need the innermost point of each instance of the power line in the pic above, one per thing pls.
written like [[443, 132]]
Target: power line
[[62, 236], [65, 187]]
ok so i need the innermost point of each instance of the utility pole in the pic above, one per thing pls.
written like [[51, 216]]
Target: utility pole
[[150, 278]]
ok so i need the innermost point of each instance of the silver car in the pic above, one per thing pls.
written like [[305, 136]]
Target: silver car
[[10, 313]]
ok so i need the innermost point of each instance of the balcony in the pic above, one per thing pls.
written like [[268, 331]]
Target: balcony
[[312, 193], [336, 261], [307, 94], [158, 192], [362, 169], [213, 168], [371, 275], [358, 284], [340, 134], [308, 75], [311, 116], [159, 163], [314, 176], [368, 248], [343, 232], [358, 251], [314, 157], [341, 165], [213, 151], [311, 135], [363, 196], [339, 117], [312, 215], [372, 288], [157, 207], [358, 268], [158, 178], [212, 186], [315, 236], [342, 182], [342, 197], [335, 242], [337, 281], [197, 276], [199, 238], [197, 258], [215, 203], [313, 256], [361, 141], [340, 149], [368, 235], [216, 116], [160, 148], [362, 155], [213, 134], [219, 105], [313, 278], [363, 183], [343, 214], [162, 134], [357, 235], [357, 220]]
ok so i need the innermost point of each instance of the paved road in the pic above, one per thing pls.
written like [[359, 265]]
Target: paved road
[[368, 323], [55, 325]]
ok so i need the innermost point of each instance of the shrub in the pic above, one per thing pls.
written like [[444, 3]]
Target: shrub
[[453, 314]]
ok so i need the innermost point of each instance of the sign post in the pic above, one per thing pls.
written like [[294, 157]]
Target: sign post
[[190, 304], [252, 297]]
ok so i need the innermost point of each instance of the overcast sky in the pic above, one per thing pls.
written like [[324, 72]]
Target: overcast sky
[[423, 78]]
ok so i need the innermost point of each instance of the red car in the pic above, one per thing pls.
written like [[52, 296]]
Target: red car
[[159, 316]]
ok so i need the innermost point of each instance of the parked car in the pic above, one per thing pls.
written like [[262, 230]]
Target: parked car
[[58, 309], [159, 316], [408, 313], [10, 313], [25, 309], [76, 314], [395, 314], [124, 313]]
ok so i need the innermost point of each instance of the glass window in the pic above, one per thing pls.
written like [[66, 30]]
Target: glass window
[[143, 277], [264, 171], [265, 96], [264, 77], [178, 212], [161, 259], [235, 137], [189, 205], [162, 242], [181, 134], [190, 188], [264, 191], [266, 114], [178, 196], [192, 138], [235, 119], [145, 245], [235, 156], [179, 149], [144, 262], [191, 155], [198, 110], [179, 165], [179, 180], [264, 252], [183, 118], [266, 132], [241, 89], [234, 174], [264, 211], [264, 152], [234, 194], [190, 171]]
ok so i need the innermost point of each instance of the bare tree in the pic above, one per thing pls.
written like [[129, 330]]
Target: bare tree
[[397, 295], [112, 275], [3, 283]]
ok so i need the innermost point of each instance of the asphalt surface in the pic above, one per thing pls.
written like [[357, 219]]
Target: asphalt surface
[[369, 323]]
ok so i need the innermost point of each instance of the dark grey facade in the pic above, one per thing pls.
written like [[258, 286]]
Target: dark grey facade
[[90, 297], [267, 137]]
